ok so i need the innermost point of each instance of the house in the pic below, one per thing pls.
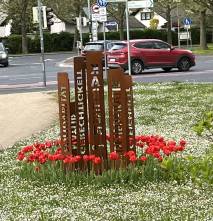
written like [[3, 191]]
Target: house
[[60, 25], [5, 26], [145, 15]]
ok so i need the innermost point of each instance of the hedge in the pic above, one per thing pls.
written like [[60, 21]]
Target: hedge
[[64, 40], [52, 42]]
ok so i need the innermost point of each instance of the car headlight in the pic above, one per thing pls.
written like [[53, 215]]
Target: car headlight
[[3, 55]]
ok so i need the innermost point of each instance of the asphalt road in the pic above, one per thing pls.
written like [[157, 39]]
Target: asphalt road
[[25, 73]]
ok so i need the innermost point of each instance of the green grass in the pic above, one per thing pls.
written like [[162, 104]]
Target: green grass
[[199, 51], [167, 109]]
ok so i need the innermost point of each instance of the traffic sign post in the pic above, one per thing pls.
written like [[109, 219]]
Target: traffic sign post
[[102, 3], [187, 23]]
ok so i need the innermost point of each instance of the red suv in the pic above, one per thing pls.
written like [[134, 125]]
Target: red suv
[[149, 53]]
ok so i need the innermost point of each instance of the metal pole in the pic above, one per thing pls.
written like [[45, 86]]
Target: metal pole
[[127, 35], [178, 26], [42, 42], [90, 20], [105, 57], [80, 30], [187, 38]]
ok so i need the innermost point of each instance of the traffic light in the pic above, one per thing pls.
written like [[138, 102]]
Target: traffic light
[[49, 16]]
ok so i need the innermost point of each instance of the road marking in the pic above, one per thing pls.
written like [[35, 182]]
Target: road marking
[[65, 63], [27, 64], [32, 85]]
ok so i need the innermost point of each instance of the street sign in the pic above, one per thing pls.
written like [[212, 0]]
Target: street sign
[[116, 1], [102, 3], [103, 14], [185, 35], [95, 8], [111, 25], [140, 4], [187, 26], [95, 17], [187, 21]]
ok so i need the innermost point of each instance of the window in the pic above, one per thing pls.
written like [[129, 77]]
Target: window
[[146, 15], [118, 46], [1, 47], [161, 45], [145, 45], [93, 47]]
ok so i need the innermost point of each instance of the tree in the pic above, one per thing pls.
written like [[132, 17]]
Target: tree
[[20, 11], [205, 3], [117, 11], [154, 23], [165, 7], [67, 11], [198, 8]]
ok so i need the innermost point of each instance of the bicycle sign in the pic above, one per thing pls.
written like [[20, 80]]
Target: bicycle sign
[[102, 3], [187, 21]]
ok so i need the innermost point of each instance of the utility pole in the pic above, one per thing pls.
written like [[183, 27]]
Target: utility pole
[[90, 20], [128, 40], [42, 42]]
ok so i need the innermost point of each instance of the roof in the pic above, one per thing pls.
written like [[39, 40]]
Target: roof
[[136, 40], [134, 23], [3, 16]]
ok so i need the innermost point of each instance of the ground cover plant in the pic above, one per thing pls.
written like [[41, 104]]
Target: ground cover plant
[[182, 192]]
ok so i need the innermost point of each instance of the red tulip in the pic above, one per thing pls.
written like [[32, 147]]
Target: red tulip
[[143, 158], [114, 156], [97, 160]]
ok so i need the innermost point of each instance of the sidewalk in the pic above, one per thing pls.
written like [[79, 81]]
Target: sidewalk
[[24, 114]]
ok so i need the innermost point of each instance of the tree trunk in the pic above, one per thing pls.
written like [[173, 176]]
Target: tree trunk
[[24, 26], [121, 30], [168, 18], [24, 35], [203, 43], [76, 37]]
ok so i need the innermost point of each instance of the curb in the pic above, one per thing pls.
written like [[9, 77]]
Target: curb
[[46, 53]]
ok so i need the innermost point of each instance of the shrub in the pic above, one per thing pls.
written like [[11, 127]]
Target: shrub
[[14, 43]]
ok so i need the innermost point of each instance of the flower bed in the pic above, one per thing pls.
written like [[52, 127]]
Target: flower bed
[[155, 147]]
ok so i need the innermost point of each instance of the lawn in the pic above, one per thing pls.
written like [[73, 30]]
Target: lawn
[[167, 109], [199, 51]]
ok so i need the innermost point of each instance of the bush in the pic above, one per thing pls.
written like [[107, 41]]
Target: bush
[[52, 42], [14, 44]]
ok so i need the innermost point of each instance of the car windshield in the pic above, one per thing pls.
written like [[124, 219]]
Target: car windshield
[[118, 46], [93, 47], [1, 47]]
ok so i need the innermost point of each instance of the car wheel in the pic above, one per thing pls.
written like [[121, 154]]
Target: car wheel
[[6, 64], [184, 64], [136, 67], [167, 69]]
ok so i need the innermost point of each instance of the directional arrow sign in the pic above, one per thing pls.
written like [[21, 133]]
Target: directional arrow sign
[[140, 4], [116, 1]]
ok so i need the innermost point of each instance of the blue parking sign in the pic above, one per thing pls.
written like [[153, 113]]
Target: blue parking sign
[[187, 21], [102, 3]]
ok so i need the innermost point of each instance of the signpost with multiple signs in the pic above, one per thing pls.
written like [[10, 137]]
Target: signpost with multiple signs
[[186, 35]]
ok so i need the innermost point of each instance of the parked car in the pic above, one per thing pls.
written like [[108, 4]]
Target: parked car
[[96, 46], [149, 53], [3, 55]]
